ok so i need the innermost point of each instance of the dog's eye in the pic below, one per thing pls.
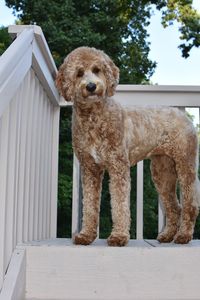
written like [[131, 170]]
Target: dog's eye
[[96, 70], [80, 73]]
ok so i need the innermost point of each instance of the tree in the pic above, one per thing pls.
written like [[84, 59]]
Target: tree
[[112, 25], [5, 39], [188, 19]]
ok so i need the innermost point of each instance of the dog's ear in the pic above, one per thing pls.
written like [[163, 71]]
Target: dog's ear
[[64, 83], [112, 75]]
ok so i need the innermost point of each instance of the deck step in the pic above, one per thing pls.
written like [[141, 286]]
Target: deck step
[[58, 270]]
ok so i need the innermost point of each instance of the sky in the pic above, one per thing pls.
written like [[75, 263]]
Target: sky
[[172, 68]]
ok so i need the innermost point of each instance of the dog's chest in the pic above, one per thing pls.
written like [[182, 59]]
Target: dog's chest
[[95, 155], [90, 142]]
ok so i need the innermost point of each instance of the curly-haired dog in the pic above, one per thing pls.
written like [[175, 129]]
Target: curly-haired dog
[[107, 136]]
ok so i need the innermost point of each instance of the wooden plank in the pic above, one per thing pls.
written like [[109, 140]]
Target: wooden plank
[[139, 200], [34, 177], [24, 92], [16, 75], [76, 203], [54, 171], [45, 165], [14, 54], [161, 215], [44, 75], [14, 283], [131, 95], [191, 244], [112, 273], [28, 151], [47, 212], [10, 192], [16, 167], [41, 165], [4, 130]]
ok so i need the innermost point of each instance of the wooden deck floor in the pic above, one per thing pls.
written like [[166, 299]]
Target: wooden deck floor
[[103, 243]]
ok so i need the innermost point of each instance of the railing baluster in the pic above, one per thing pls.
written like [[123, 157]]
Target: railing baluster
[[29, 138], [161, 216], [4, 129], [139, 199], [34, 161], [77, 204]]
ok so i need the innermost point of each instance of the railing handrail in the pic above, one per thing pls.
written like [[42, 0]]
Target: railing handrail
[[131, 95], [158, 88], [29, 49]]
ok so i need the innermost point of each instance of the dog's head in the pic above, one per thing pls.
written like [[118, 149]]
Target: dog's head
[[87, 74]]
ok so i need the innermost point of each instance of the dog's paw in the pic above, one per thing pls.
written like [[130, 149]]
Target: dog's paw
[[84, 239], [118, 240], [165, 238], [182, 238]]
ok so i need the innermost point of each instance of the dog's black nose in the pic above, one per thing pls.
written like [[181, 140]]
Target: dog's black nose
[[91, 87]]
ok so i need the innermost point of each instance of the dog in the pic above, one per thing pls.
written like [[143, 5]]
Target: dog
[[107, 136]]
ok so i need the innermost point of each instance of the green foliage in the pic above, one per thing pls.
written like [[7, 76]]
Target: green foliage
[[188, 19], [115, 26], [5, 39], [65, 174]]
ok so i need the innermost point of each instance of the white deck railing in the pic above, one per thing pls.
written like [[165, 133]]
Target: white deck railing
[[131, 95], [29, 126]]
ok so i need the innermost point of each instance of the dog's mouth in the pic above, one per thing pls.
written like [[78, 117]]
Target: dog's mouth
[[95, 95]]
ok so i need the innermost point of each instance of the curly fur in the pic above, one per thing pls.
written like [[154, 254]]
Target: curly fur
[[108, 136]]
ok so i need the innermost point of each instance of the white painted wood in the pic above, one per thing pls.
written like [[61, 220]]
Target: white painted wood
[[139, 201], [29, 138], [15, 29], [35, 129], [14, 54], [99, 272], [15, 278], [42, 61], [29, 125], [3, 189], [161, 216], [191, 244], [46, 170], [10, 211], [11, 84], [54, 171], [129, 95], [41, 172], [158, 88], [23, 117], [16, 168], [45, 77], [76, 197]]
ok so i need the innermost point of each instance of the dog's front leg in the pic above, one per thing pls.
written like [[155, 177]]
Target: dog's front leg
[[91, 183], [120, 203]]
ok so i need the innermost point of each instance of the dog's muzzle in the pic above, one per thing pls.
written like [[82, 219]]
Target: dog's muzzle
[[91, 87]]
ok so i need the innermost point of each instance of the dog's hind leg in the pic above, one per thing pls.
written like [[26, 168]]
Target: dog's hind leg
[[189, 185], [165, 178], [185, 153]]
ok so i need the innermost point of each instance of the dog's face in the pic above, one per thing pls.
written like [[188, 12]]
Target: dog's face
[[87, 74]]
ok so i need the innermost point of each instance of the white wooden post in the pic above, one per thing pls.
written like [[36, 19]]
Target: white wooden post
[[161, 216], [76, 204], [139, 199]]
